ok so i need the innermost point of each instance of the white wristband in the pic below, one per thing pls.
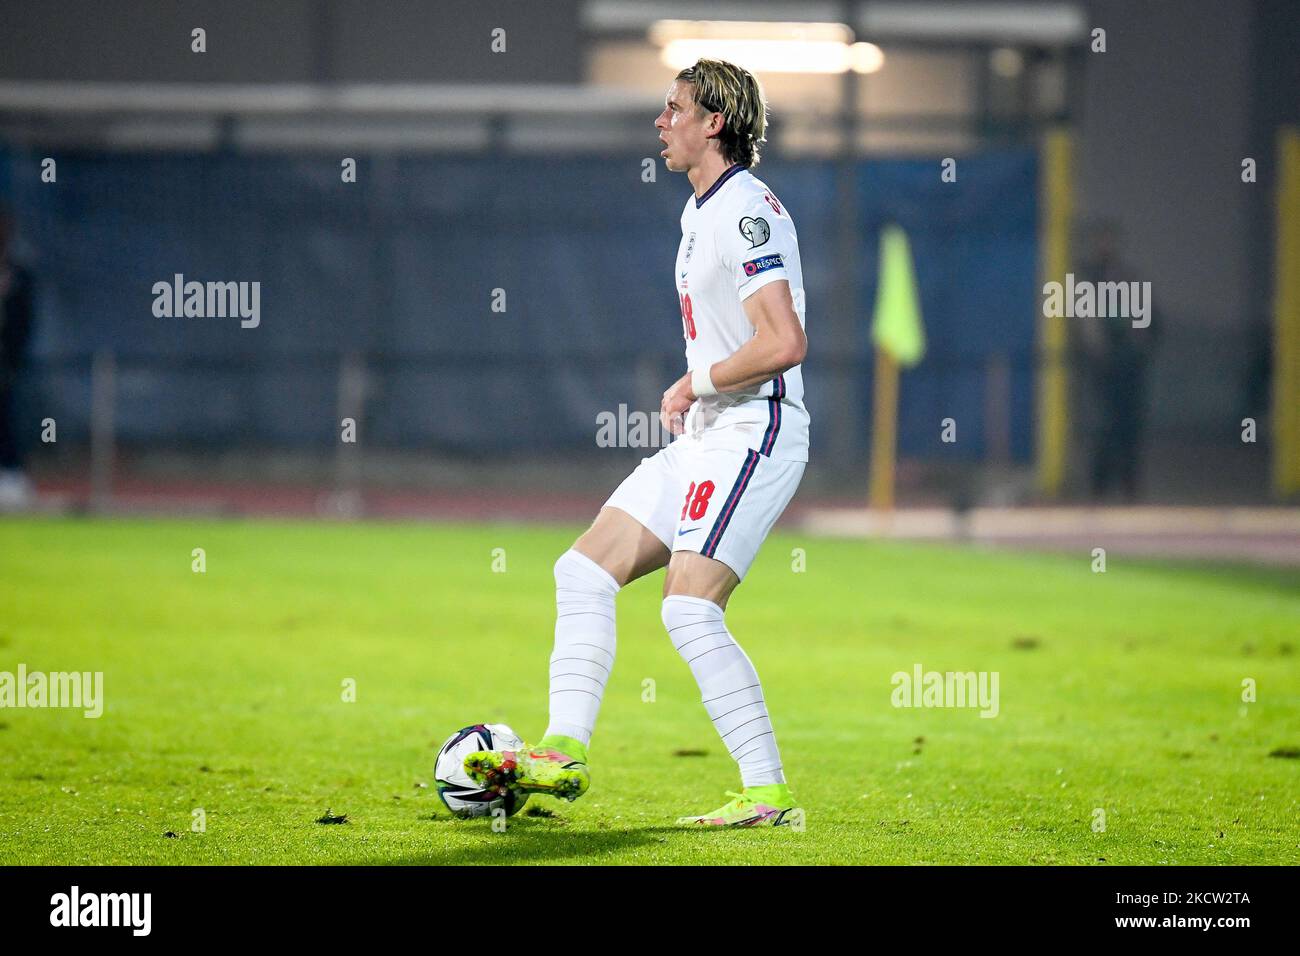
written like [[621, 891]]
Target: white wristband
[[702, 382]]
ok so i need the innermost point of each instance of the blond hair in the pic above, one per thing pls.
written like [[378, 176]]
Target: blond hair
[[733, 91]]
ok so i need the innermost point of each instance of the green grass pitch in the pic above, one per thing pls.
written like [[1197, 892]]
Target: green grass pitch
[[1119, 692]]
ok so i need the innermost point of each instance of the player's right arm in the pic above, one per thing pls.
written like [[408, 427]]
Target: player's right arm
[[778, 345]]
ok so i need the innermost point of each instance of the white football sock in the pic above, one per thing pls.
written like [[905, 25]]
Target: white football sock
[[729, 686], [584, 644]]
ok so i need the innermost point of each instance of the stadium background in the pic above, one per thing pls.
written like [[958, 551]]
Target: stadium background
[[283, 676], [522, 171]]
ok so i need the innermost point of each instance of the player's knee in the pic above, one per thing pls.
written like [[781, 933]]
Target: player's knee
[[574, 571], [679, 611], [568, 569]]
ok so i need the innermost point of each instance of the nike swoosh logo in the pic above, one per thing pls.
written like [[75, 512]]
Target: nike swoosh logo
[[689, 530]]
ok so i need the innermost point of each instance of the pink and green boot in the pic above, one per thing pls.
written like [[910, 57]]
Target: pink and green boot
[[545, 768], [767, 806]]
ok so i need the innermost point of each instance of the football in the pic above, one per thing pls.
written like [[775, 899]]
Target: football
[[458, 791]]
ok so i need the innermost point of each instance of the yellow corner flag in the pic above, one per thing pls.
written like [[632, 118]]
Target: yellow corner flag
[[900, 341], [897, 323]]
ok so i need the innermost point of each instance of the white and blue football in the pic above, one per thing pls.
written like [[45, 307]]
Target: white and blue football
[[458, 791]]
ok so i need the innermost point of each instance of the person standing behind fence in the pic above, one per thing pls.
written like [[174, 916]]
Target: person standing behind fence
[[1118, 359], [16, 321]]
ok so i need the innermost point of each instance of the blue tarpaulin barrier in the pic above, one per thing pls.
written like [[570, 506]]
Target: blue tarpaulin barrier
[[403, 265]]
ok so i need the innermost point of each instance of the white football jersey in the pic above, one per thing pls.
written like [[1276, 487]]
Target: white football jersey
[[737, 238]]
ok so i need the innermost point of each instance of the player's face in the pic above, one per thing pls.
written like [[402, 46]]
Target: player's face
[[682, 128]]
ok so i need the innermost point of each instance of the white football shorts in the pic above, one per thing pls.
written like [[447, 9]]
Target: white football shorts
[[720, 502]]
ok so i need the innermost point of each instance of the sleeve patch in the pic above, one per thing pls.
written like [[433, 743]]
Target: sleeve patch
[[755, 230], [754, 266]]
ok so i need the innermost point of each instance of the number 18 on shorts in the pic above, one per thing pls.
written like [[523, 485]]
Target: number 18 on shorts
[[720, 502]]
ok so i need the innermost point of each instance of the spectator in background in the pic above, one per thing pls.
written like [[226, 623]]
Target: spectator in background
[[1117, 359], [16, 319]]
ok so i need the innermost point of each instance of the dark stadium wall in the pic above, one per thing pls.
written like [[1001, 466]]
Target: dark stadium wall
[[302, 41], [1163, 127]]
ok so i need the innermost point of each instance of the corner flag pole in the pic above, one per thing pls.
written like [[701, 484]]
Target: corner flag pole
[[884, 431], [1056, 215], [899, 337]]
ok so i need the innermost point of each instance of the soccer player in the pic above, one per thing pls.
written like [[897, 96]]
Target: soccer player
[[704, 503]]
